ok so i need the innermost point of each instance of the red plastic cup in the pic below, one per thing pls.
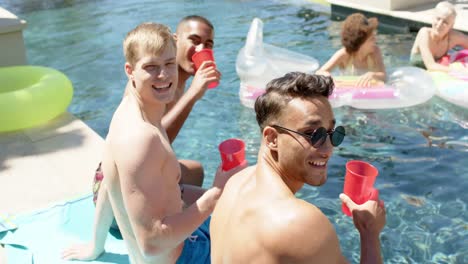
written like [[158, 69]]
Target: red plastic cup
[[232, 153], [201, 56], [359, 183]]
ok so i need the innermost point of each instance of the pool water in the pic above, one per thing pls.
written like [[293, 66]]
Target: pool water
[[421, 152]]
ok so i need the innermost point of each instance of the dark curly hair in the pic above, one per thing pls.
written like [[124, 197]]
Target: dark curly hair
[[356, 30], [282, 90]]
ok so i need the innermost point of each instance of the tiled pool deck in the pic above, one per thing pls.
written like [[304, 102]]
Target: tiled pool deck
[[47, 164]]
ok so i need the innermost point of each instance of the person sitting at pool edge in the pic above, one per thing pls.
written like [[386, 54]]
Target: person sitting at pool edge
[[433, 43], [360, 54], [141, 186], [193, 34], [258, 219]]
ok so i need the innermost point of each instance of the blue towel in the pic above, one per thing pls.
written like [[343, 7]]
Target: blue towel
[[40, 237]]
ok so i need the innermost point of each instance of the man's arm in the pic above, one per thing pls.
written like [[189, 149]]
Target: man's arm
[[369, 219], [140, 161], [175, 118], [370, 248], [102, 222]]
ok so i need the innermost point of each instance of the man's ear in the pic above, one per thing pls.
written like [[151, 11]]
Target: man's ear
[[129, 70], [129, 73], [175, 37], [270, 137]]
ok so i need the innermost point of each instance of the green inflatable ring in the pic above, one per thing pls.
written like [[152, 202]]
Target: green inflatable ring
[[32, 95]]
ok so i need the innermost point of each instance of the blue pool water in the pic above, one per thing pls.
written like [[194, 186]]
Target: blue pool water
[[421, 151]]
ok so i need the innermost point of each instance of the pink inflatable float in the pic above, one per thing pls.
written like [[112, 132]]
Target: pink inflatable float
[[405, 87]]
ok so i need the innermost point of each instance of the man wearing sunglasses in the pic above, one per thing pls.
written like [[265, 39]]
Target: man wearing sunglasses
[[258, 219]]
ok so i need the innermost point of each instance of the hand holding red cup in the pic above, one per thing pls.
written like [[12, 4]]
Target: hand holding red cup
[[199, 57], [359, 183]]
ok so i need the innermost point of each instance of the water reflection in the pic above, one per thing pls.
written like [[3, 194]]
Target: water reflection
[[28, 6]]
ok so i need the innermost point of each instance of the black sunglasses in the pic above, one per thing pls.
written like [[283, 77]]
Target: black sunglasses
[[318, 137]]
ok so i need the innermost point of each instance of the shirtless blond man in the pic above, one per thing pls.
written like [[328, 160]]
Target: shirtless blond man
[[258, 219], [193, 34], [432, 43], [141, 186]]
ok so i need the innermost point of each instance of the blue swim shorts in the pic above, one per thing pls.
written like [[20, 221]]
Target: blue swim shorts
[[197, 246]]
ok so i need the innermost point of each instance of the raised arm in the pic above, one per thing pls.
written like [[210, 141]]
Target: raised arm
[[369, 220], [175, 118], [140, 160], [102, 222]]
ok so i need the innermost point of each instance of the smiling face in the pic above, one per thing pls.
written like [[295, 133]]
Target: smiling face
[[154, 76], [192, 36], [298, 160]]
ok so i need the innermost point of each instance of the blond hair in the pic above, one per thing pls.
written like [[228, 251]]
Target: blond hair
[[446, 8], [147, 38]]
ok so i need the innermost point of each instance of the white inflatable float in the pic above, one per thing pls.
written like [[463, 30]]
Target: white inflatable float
[[258, 63], [453, 86], [405, 87], [451, 89]]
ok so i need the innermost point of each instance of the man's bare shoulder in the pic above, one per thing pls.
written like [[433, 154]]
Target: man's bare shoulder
[[134, 142], [135, 136], [313, 235], [296, 215]]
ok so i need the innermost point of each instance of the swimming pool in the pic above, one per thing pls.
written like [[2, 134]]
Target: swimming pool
[[420, 151]]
